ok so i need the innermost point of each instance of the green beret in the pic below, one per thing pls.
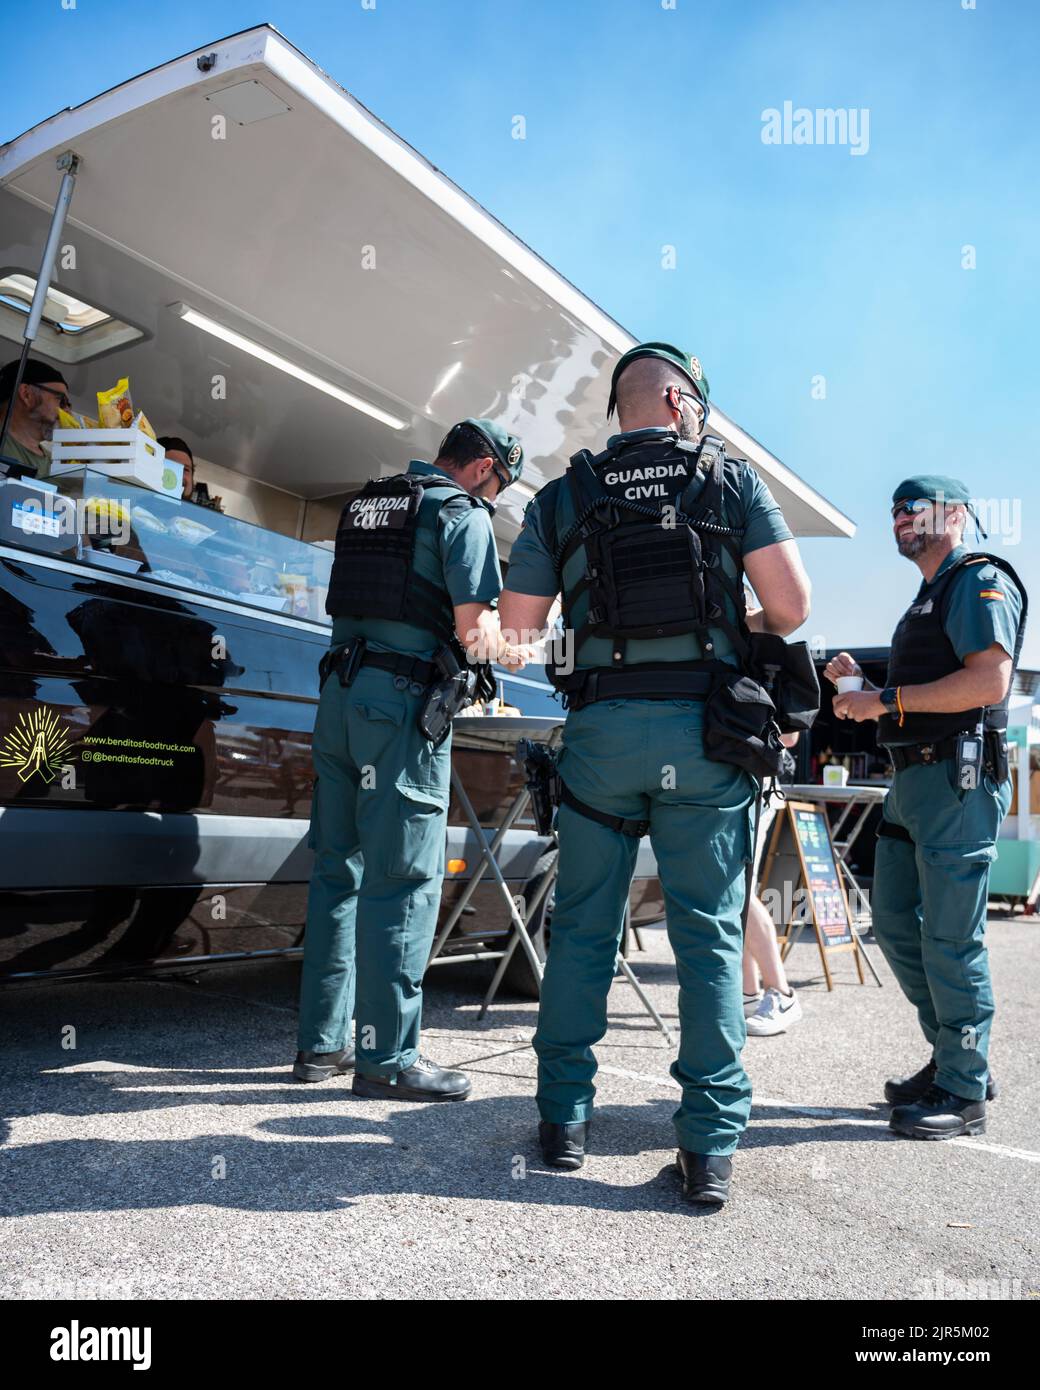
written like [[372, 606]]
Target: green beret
[[506, 447], [933, 486], [689, 366]]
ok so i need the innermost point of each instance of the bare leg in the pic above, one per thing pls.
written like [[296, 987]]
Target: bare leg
[[750, 969], [760, 948]]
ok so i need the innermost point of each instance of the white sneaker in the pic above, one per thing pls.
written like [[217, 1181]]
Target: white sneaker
[[751, 1003], [774, 1014]]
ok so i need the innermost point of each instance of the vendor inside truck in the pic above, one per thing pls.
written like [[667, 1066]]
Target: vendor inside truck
[[33, 413], [177, 451]]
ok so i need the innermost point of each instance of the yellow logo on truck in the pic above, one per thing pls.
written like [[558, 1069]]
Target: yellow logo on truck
[[38, 743]]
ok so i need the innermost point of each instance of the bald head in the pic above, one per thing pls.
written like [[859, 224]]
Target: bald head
[[645, 398]]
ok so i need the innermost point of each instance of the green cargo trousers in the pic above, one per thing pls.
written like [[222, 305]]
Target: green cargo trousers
[[644, 759], [929, 909], [378, 834]]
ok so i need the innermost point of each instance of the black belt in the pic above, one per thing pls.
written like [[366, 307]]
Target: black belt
[[908, 754], [406, 670], [647, 682], [888, 830], [636, 828]]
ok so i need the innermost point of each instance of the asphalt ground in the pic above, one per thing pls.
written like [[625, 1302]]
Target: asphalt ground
[[169, 1155]]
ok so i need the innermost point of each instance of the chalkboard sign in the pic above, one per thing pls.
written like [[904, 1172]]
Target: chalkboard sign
[[801, 852], [830, 908]]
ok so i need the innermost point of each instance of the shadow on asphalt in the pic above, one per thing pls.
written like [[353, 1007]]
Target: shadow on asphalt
[[313, 1161], [308, 1159]]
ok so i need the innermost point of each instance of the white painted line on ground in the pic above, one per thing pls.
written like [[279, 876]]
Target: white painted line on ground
[[813, 1112], [641, 1076], [817, 1112], [182, 1088], [100, 1065]]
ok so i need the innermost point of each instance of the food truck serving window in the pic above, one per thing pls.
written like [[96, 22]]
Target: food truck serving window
[[113, 525]]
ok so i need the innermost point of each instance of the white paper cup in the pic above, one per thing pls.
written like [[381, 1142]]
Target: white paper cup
[[847, 683]]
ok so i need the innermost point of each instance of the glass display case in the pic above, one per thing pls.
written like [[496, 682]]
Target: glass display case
[[115, 525]]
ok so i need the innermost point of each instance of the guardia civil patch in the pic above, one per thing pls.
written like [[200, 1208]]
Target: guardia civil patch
[[514, 456], [378, 513]]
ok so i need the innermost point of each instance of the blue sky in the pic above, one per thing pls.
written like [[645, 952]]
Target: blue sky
[[644, 129]]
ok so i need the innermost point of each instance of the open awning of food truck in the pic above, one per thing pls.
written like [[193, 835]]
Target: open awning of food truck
[[237, 214]]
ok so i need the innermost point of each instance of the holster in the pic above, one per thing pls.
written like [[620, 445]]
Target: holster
[[740, 727], [345, 661], [459, 687], [788, 673], [995, 758], [543, 781]]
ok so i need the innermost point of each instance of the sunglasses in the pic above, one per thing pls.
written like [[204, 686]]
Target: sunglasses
[[913, 508], [695, 400], [63, 399]]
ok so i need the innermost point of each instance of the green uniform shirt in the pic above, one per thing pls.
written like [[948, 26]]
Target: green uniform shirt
[[984, 606], [748, 505], [16, 450], [459, 554]]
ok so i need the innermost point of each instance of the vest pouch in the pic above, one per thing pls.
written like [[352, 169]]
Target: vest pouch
[[788, 672], [740, 727], [647, 581]]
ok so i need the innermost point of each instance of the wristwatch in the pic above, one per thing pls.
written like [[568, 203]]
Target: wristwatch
[[888, 699]]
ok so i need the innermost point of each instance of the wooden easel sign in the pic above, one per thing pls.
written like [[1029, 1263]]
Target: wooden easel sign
[[801, 851]]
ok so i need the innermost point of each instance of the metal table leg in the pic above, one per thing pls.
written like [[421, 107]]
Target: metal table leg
[[520, 934], [843, 847], [519, 801], [503, 964], [488, 861], [623, 965]]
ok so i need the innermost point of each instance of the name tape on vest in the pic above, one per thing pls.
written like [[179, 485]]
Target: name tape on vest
[[644, 482], [374, 513]]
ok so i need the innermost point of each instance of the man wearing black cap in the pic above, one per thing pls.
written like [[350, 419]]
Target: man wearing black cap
[[943, 720], [34, 412], [648, 543], [412, 593]]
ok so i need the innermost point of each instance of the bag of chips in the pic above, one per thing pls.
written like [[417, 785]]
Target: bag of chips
[[73, 420], [115, 408], [141, 423]]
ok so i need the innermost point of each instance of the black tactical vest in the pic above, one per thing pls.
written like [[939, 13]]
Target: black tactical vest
[[652, 530], [373, 571], [922, 652]]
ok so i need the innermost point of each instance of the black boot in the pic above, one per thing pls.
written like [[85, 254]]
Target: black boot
[[706, 1177], [905, 1090], [563, 1146], [423, 1080], [939, 1114], [319, 1066]]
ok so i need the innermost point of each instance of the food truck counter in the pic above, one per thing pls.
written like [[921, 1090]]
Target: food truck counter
[[114, 524]]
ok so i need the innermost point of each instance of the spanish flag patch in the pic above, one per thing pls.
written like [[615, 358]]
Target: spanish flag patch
[[991, 593]]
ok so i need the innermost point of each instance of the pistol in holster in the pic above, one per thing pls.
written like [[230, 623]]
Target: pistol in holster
[[543, 781], [459, 686]]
